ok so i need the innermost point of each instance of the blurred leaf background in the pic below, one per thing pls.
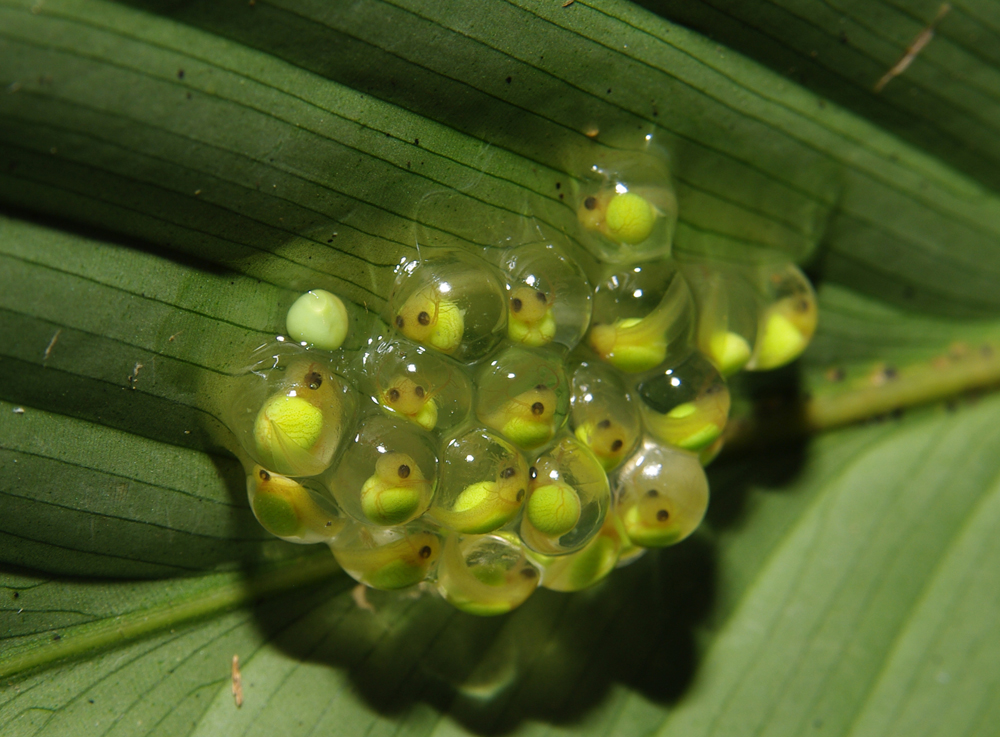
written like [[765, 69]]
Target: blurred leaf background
[[172, 173]]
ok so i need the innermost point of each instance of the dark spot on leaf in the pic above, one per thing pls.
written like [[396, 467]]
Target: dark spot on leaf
[[17, 594], [509, 80], [416, 141], [558, 185], [56, 637], [180, 74]]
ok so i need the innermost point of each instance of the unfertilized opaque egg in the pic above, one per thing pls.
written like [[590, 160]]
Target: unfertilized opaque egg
[[604, 416], [643, 316], [568, 499], [788, 320], [426, 388], [318, 318], [548, 296], [628, 205], [485, 575], [685, 405], [661, 495], [388, 473], [292, 510], [483, 483], [524, 396], [387, 558], [727, 308], [452, 303], [289, 411]]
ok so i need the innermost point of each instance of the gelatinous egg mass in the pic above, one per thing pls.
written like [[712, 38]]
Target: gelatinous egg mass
[[535, 400]]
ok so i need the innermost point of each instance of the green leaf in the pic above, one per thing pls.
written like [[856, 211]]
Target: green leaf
[[173, 174]]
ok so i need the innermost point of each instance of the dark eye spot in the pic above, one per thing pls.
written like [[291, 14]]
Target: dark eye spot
[[520, 494], [314, 380], [528, 573], [399, 321], [652, 492], [537, 408], [403, 471], [540, 296], [425, 552], [394, 395], [508, 472], [662, 516], [264, 475], [424, 319], [515, 304], [419, 391], [540, 387], [532, 473], [802, 305], [590, 203], [617, 445], [604, 424]]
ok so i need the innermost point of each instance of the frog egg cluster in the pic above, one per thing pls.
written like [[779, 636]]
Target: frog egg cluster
[[515, 422]]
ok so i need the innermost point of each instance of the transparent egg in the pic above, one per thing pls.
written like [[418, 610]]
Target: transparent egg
[[290, 410], [483, 484], [568, 499], [727, 309], [628, 207], [485, 575], [686, 405], [453, 303], [643, 316], [787, 323], [387, 558], [662, 495], [524, 396], [430, 390], [587, 566], [387, 474], [548, 297], [296, 512], [605, 418]]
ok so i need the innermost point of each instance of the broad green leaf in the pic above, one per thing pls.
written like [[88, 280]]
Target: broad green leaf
[[173, 173]]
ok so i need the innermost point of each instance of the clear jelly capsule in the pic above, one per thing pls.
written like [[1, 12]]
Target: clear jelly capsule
[[604, 417], [662, 495], [413, 382], [686, 405], [388, 473], [587, 566], [485, 575], [727, 309], [291, 510], [453, 303], [646, 317], [548, 296], [290, 411], [628, 205], [484, 481], [387, 558], [567, 500], [787, 323], [524, 396]]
